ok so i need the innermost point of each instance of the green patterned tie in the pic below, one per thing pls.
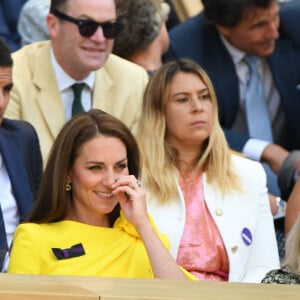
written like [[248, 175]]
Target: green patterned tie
[[77, 107]]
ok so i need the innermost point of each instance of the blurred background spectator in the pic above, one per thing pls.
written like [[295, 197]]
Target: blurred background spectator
[[32, 21], [9, 15], [144, 36]]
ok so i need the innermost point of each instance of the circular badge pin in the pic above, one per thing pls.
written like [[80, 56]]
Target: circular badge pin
[[247, 236]]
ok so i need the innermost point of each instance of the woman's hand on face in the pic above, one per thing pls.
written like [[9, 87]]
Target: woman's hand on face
[[132, 199]]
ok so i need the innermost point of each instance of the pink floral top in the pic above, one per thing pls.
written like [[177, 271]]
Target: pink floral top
[[201, 250]]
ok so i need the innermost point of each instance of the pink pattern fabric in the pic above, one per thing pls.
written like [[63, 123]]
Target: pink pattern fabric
[[201, 251]]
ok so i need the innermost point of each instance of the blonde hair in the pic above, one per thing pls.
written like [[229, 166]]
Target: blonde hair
[[158, 158], [292, 257]]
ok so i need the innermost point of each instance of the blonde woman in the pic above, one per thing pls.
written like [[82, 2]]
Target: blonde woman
[[211, 203]]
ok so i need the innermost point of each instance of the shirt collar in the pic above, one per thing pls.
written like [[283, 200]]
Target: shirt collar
[[64, 81], [236, 54]]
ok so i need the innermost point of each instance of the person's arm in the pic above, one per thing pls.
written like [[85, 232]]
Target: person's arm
[[265, 152], [35, 161], [263, 255], [277, 206], [274, 155], [132, 199], [24, 257], [9, 14], [5, 32], [14, 110], [292, 208], [139, 92], [28, 143], [4, 29], [163, 264]]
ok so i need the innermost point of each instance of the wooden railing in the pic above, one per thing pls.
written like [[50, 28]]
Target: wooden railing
[[36, 287]]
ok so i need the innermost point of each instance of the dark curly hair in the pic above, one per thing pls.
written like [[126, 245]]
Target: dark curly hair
[[229, 13]]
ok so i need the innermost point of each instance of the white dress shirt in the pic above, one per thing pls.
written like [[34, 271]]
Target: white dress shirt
[[64, 82], [8, 203]]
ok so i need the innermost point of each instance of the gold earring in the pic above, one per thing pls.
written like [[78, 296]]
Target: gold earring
[[68, 186]]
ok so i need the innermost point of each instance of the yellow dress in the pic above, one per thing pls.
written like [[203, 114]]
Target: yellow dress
[[110, 252]]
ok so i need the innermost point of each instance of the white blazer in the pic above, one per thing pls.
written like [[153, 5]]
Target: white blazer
[[246, 225]]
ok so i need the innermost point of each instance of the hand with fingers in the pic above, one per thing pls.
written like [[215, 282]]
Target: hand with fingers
[[132, 199]]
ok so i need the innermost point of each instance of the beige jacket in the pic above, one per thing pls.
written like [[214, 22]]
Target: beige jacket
[[119, 87]]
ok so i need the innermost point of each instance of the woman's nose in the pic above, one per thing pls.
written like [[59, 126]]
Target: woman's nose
[[196, 104], [109, 179]]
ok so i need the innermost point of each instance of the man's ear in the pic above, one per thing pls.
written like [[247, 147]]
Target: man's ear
[[52, 24], [225, 31]]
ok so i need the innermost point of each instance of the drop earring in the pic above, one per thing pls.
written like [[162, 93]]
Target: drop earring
[[68, 186]]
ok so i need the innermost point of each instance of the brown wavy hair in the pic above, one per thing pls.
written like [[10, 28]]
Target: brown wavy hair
[[53, 201]]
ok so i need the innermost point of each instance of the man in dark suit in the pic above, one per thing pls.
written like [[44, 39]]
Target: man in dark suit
[[218, 39], [9, 16], [20, 163]]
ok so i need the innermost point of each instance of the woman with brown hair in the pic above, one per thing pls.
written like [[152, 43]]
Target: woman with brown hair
[[90, 215]]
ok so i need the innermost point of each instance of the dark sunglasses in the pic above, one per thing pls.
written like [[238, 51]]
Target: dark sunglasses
[[88, 27]]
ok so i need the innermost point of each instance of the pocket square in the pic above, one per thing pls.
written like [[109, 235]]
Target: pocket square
[[298, 86], [74, 251]]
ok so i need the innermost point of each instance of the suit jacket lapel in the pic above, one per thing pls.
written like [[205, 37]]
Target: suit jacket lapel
[[231, 207], [281, 62], [220, 67], [48, 96], [17, 173], [102, 91], [285, 66]]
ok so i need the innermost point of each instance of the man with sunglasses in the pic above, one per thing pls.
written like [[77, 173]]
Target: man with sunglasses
[[79, 51]]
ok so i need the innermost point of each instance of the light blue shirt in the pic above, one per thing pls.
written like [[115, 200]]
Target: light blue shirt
[[254, 147]]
